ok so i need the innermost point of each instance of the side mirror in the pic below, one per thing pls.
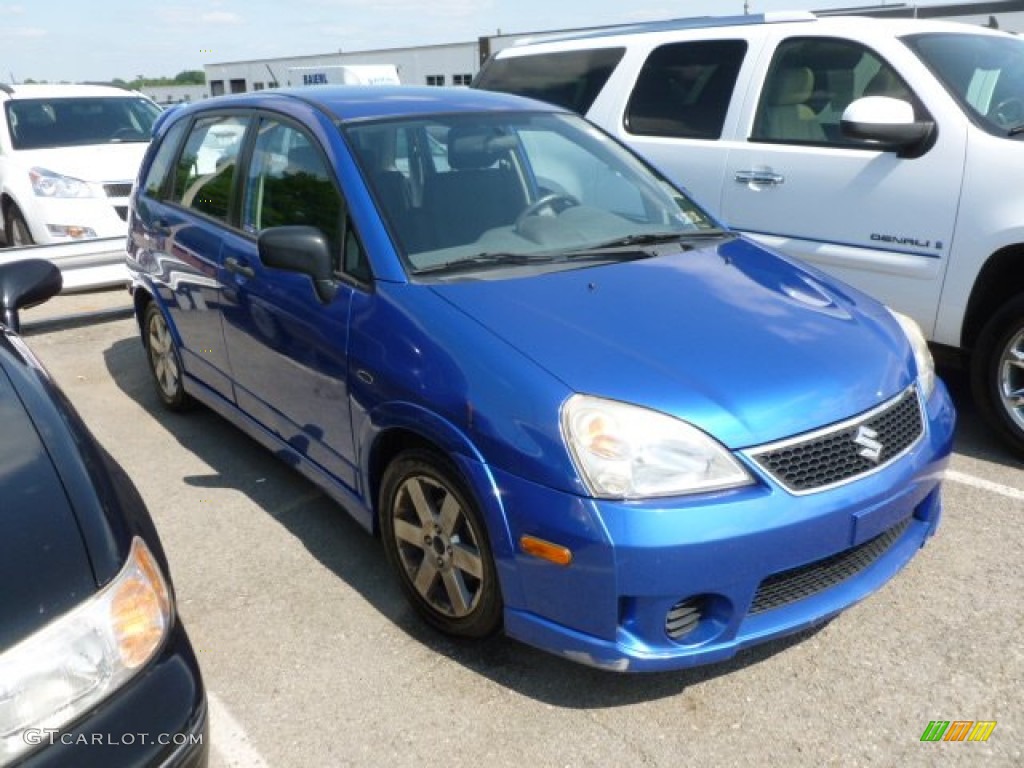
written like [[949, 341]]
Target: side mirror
[[24, 284], [300, 249], [887, 123]]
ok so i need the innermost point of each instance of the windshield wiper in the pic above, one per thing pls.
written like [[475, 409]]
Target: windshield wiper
[[652, 238], [487, 260], [1016, 130], [646, 238]]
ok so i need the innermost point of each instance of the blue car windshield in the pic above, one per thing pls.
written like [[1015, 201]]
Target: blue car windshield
[[494, 190]]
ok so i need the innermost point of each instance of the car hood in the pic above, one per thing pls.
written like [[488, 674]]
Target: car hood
[[44, 567], [732, 338], [98, 163]]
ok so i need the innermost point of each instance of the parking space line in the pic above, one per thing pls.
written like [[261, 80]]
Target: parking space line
[[985, 485], [229, 739]]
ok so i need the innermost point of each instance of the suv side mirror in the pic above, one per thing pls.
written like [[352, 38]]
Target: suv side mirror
[[300, 249], [888, 123], [24, 284]]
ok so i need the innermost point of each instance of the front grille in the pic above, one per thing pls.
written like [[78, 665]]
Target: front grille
[[122, 211], [796, 584], [848, 450], [122, 189]]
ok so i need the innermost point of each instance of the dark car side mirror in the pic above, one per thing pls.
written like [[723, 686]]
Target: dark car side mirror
[[887, 123], [24, 284], [300, 249]]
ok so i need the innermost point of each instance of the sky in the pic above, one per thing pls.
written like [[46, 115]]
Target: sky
[[98, 40]]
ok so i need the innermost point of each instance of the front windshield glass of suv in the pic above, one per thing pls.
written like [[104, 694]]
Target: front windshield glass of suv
[[985, 73], [490, 191], [70, 122]]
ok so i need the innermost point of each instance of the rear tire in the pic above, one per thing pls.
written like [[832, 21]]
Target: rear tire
[[16, 229], [997, 373], [164, 360]]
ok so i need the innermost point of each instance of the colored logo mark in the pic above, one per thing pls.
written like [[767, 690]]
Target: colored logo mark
[[958, 730]]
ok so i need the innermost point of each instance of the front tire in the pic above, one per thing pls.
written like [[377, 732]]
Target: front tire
[[164, 360], [16, 229], [997, 373], [436, 541]]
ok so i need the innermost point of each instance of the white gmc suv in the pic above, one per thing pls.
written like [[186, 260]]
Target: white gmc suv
[[889, 153]]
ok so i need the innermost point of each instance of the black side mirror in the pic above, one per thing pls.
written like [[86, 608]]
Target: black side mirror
[[24, 284], [300, 249]]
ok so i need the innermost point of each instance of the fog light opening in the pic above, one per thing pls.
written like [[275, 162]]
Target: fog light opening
[[684, 617]]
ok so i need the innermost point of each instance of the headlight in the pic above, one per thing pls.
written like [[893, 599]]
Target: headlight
[[66, 668], [49, 184], [922, 355], [627, 452]]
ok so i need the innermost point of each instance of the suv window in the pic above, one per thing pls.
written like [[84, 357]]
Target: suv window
[[810, 83], [66, 122], [684, 89], [289, 184], [569, 79], [206, 168], [985, 74]]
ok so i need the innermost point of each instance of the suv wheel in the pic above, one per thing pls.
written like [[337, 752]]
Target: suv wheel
[[18, 234], [997, 373]]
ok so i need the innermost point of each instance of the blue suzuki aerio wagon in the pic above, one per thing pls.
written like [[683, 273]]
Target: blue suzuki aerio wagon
[[570, 403]]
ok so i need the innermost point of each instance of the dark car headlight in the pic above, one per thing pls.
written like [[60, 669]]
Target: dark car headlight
[[66, 668]]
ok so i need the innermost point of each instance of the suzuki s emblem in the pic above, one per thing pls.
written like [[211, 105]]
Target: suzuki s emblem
[[866, 439]]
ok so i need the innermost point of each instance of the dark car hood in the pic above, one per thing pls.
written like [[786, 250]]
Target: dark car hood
[[730, 337], [44, 568]]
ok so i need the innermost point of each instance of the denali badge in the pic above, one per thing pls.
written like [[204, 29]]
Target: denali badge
[[866, 439]]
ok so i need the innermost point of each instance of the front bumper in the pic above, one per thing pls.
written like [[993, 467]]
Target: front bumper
[[636, 565], [159, 718]]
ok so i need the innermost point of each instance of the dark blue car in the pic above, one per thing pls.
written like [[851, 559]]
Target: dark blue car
[[95, 666], [570, 402]]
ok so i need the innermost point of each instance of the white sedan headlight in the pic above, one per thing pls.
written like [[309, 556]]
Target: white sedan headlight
[[624, 451], [55, 675], [49, 184], [922, 355]]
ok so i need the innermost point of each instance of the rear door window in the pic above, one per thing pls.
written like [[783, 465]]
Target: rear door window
[[684, 89], [569, 79], [206, 170]]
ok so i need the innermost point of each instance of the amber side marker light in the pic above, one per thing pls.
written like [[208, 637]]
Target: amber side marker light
[[545, 550]]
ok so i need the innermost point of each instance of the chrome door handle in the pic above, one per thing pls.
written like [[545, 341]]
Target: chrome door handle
[[764, 178], [234, 265]]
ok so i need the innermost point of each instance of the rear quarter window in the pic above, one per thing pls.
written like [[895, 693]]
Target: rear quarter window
[[568, 79], [158, 175]]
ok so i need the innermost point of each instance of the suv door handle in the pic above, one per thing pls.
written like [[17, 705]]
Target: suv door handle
[[234, 265], [765, 178]]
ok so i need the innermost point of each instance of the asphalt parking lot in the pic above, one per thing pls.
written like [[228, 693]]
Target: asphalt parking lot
[[312, 658]]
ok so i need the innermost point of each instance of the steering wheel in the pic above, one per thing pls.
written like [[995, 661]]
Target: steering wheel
[[1009, 112], [555, 202]]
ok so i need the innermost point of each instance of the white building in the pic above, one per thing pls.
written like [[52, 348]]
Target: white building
[[457, 63], [448, 64]]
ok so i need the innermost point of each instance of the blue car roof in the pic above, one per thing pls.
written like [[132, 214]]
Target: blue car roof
[[361, 102]]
